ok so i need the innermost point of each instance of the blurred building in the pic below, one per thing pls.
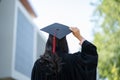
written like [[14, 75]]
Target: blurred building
[[20, 40]]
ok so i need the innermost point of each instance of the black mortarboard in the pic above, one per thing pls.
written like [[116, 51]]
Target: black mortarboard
[[57, 30]]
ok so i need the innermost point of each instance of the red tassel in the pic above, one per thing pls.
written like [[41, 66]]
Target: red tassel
[[54, 44]]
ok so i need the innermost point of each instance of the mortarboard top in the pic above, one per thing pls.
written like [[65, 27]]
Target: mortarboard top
[[57, 30]]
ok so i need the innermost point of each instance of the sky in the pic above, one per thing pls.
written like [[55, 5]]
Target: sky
[[73, 13]]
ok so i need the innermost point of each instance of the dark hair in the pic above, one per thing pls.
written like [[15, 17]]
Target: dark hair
[[61, 45], [53, 62]]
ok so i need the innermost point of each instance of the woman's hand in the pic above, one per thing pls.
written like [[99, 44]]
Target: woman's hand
[[77, 34]]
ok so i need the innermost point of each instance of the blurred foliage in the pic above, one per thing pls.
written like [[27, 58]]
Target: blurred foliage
[[107, 38]]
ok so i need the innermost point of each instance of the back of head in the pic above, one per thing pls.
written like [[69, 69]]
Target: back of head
[[61, 45]]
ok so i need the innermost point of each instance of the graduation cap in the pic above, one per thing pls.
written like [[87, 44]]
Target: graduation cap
[[58, 31]]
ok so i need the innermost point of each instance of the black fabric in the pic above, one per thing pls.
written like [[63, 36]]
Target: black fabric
[[78, 66], [58, 30]]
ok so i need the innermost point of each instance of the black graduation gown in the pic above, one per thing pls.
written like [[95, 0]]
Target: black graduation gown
[[78, 66]]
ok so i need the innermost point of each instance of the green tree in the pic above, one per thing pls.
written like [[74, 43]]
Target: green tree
[[107, 38]]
